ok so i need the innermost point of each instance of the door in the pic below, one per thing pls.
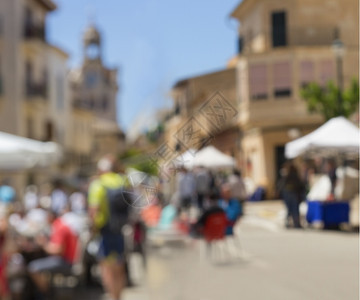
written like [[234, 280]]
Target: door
[[279, 160]]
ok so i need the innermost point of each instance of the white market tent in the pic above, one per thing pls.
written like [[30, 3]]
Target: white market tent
[[186, 159], [17, 153], [338, 135], [210, 157]]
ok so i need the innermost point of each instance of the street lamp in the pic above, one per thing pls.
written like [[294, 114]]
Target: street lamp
[[339, 51]]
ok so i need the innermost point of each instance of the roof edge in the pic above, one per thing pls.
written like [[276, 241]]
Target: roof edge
[[48, 4], [184, 81]]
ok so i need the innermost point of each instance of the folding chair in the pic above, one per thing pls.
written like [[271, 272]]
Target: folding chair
[[234, 245], [214, 233]]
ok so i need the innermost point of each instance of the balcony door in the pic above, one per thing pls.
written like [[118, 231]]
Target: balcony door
[[278, 26]]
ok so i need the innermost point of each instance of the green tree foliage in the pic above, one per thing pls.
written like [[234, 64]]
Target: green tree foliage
[[133, 158], [154, 134], [129, 153], [325, 100], [146, 166]]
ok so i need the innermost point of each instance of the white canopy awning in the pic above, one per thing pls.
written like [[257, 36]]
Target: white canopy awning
[[338, 134], [186, 159], [22, 153], [210, 157]]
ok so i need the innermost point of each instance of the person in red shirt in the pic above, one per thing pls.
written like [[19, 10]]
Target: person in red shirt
[[61, 248]]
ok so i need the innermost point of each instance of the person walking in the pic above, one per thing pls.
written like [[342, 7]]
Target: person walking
[[202, 186], [186, 188], [237, 187], [109, 212], [292, 191]]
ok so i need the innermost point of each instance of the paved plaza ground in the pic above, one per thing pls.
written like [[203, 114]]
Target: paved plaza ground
[[275, 264]]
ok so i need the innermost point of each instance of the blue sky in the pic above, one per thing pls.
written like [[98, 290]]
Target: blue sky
[[154, 43]]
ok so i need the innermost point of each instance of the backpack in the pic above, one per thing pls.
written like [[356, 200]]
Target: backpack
[[119, 201]]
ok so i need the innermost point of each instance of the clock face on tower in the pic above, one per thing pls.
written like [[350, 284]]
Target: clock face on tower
[[91, 79], [93, 51]]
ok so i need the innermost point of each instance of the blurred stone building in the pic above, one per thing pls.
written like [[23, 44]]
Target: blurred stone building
[[33, 79], [189, 97], [41, 101], [282, 46], [25, 56], [94, 89]]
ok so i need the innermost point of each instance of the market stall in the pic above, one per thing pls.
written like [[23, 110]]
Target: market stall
[[185, 159], [337, 138], [212, 158]]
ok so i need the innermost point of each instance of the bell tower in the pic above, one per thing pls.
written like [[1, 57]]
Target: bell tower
[[92, 44]]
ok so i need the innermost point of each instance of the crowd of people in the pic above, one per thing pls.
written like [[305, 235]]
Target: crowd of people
[[295, 186], [194, 187], [45, 229], [208, 192], [40, 233], [49, 229]]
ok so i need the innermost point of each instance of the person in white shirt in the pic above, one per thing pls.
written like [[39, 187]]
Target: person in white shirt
[[78, 202], [59, 199], [237, 186], [31, 197]]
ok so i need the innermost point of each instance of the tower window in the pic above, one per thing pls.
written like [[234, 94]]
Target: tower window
[[91, 79], [93, 51]]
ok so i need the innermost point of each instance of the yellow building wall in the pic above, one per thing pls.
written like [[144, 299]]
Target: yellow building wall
[[254, 158]]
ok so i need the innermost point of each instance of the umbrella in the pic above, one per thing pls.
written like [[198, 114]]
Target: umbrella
[[22, 153], [210, 157], [338, 135]]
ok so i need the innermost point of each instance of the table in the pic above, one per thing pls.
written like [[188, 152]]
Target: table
[[330, 213]]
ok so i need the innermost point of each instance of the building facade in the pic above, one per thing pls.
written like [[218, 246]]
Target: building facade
[[24, 69], [33, 74], [284, 45], [94, 90], [191, 96]]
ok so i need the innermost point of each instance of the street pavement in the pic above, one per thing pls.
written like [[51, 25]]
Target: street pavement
[[272, 263]]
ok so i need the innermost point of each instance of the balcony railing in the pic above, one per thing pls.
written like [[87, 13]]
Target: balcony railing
[[32, 31], [294, 36], [36, 90]]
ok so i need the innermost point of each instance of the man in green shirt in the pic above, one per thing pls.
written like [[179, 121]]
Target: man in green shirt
[[111, 251]]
